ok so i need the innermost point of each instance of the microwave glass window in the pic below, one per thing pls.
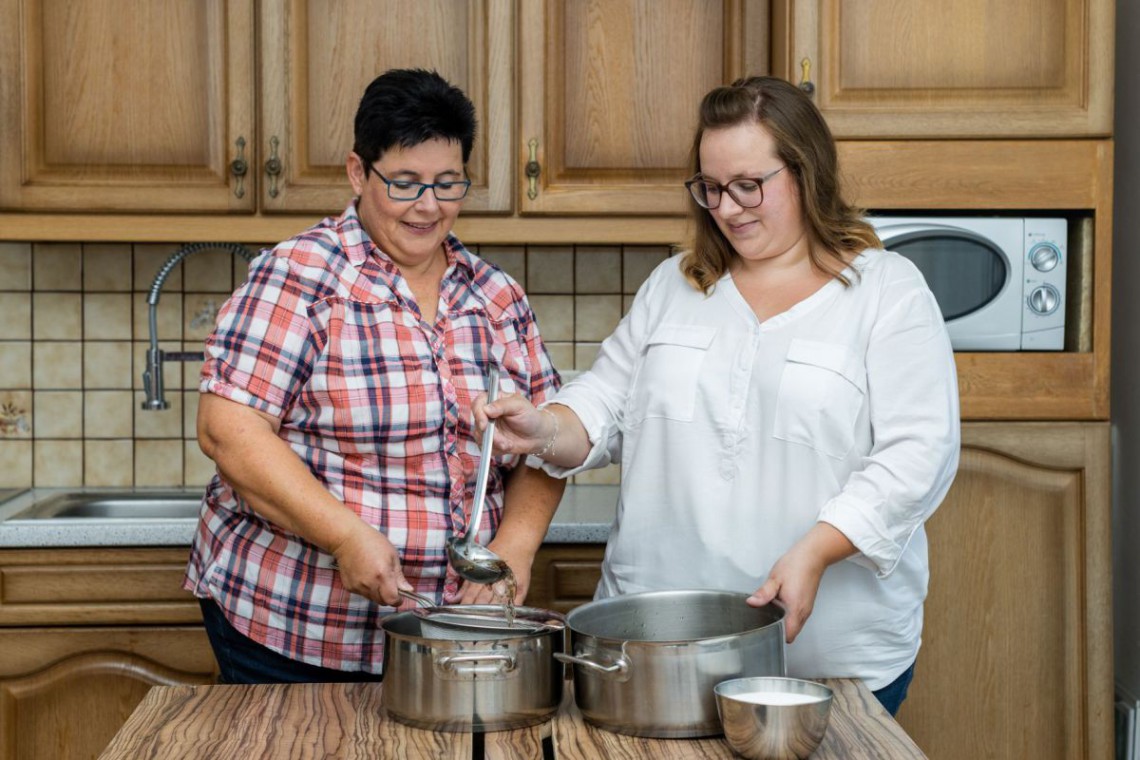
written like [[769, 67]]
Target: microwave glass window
[[964, 272]]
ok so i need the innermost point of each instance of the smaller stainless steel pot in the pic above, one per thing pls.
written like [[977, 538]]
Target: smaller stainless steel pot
[[439, 679], [646, 664]]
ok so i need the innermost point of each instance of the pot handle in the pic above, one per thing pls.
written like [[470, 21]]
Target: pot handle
[[500, 663], [619, 668]]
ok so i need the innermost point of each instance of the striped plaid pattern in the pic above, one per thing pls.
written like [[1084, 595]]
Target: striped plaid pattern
[[325, 334]]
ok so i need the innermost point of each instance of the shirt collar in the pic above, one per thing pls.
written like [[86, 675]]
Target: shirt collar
[[357, 245]]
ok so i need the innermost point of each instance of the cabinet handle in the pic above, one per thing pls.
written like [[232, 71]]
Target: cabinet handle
[[238, 168], [273, 166], [805, 76], [533, 169]]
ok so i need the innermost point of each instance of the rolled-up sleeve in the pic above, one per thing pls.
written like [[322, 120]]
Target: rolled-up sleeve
[[262, 348], [913, 408]]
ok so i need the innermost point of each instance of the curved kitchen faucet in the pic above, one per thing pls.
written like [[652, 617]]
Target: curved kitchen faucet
[[155, 356]]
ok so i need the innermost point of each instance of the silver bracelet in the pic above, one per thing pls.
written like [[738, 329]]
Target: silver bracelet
[[549, 447]]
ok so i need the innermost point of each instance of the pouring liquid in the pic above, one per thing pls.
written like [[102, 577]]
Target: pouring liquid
[[509, 585]]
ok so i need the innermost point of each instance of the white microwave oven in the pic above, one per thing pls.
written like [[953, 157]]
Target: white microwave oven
[[1000, 281]]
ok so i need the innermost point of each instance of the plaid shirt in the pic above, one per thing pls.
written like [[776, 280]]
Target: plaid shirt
[[325, 335]]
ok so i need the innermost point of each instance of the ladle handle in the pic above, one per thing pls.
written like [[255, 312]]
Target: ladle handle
[[485, 457]]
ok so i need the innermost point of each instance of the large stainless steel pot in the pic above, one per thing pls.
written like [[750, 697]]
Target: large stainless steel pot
[[441, 679], [646, 664]]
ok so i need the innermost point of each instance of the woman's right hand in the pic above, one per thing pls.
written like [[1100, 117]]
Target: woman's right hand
[[370, 566], [520, 428]]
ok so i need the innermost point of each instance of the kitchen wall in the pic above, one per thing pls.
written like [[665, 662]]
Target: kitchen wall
[[1125, 356], [75, 330]]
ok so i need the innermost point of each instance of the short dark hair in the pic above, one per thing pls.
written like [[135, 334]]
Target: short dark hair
[[805, 145], [407, 107]]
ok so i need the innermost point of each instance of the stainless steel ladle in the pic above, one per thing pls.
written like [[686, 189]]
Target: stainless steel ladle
[[473, 561]]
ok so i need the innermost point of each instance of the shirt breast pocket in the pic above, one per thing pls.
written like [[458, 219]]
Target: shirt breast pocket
[[821, 392], [670, 372]]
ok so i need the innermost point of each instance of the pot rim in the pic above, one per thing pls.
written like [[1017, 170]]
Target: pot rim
[[596, 604], [522, 613]]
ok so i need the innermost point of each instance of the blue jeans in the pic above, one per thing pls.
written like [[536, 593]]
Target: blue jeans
[[892, 695], [243, 660]]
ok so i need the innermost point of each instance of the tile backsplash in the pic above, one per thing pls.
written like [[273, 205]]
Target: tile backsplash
[[74, 332]]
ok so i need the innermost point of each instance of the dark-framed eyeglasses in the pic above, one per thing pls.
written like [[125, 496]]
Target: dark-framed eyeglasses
[[407, 190], [748, 192]]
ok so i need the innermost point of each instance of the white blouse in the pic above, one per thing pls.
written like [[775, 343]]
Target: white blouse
[[736, 436]]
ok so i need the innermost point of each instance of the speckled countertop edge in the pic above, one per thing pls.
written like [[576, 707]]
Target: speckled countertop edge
[[584, 516]]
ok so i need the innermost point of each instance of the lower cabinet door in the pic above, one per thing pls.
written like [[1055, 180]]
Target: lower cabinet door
[[565, 575], [65, 692], [1016, 658]]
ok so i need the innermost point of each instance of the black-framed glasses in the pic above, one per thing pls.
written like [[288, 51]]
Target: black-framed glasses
[[748, 192], [407, 190]]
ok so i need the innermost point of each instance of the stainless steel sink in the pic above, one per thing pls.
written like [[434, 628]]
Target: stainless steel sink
[[122, 505]]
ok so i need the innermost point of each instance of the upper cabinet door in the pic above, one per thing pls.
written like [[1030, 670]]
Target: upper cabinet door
[[317, 58], [951, 68], [121, 105], [609, 96]]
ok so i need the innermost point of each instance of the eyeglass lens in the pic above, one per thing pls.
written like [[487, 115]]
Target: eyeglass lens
[[747, 193]]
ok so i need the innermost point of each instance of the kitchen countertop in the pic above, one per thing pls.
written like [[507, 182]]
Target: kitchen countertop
[[347, 721], [584, 516]]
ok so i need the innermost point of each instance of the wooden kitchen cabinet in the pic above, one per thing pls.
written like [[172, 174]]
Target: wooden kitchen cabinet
[[564, 576], [951, 68], [117, 105], [121, 106], [84, 634], [1016, 659], [609, 95]]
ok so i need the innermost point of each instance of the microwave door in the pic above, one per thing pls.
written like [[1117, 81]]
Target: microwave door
[[970, 277]]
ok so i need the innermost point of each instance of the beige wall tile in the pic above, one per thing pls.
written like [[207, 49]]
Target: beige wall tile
[[510, 258], [171, 371], [107, 267], [15, 464], [15, 364], [108, 463], [241, 266], [159, 463], [57, 316], [190, 401], [603, 476], [16, 419], [57, 266], [59, 414], [107, 316], [107, 365], [562, 354], [549, 269], [149, 258], [164, 423], [200, 313], [208, 271], [108, 414], [597, 269], [16, 309], [169, 317], [555, 316], [595, 317], [626, 304], [16, 266], [191, 370], [584, 355], [200, 469], [638, 261], [57, 365], [58, 464]]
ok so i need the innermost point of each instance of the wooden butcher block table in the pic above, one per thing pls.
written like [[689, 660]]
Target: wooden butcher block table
[[347, 721]]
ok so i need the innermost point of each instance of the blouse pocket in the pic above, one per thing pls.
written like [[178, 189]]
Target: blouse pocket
[[666, 384], [821, 392]]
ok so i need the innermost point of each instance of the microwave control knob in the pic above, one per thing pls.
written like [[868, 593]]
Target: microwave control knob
[[1044, 257], [1044, 299]]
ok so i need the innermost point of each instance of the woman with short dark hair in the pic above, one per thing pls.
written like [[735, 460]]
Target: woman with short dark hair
[[336, 402]]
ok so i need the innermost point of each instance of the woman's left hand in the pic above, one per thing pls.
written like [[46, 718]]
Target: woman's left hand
[[794, 579]]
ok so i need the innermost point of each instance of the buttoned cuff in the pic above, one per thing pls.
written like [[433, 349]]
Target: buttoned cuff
[[595, 425], [863, 526]]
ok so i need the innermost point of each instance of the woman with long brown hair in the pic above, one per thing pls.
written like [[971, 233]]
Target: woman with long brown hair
[[782, 399]]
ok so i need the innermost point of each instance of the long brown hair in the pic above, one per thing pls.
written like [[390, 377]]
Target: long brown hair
[[805, 145]]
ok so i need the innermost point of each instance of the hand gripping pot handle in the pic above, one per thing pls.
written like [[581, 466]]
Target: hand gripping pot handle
[[619, 669], [475, 664]]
